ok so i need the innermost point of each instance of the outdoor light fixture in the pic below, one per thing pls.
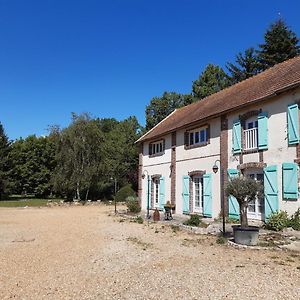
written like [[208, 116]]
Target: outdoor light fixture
[[148, 193], [215, 169]]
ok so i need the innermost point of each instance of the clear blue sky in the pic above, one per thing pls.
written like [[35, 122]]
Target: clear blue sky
[[111, 57]]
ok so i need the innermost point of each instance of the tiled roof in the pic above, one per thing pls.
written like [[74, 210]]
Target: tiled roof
[[279, 78]]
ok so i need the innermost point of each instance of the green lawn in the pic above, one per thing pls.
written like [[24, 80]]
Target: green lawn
[[25, 202]]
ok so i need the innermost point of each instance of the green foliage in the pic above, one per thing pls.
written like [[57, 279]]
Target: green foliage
[[244, 189], [294, 221], [133, 206], [280, 44], [33, 161], [139, 220], [221, 240], [161, 107], [213, 79], [4, 163], [28, 202], [78, 157], [194, 220], [247, 65], [125, 192], [277, 221]]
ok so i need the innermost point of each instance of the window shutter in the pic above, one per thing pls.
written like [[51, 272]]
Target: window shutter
[[150, 149], [290, 180], [263, 131], [186, 194], [207, 195], [186, 138], [237, 137], [293, 124], [233, 205], [161, 192], [148, 192], [164, 144], [271, 190]]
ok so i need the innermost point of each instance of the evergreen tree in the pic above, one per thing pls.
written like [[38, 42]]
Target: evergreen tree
[[161, 107], [246, 66], [4, 162], [213, 79], [280, 44]]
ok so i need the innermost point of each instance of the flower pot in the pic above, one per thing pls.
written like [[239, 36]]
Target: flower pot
[[245, 236]]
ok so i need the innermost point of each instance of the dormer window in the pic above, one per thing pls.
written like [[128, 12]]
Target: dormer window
[[157, 148]]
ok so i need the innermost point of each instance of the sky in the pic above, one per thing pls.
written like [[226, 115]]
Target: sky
[[110, 57]]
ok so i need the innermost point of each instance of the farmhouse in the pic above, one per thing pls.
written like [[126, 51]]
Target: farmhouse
[[250, 128]]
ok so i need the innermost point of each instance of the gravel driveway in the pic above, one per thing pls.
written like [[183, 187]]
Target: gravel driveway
[[83, 253]]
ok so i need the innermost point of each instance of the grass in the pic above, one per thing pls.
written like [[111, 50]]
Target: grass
[[26, 202]]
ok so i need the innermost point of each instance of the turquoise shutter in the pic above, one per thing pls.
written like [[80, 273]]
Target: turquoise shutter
[[207, 197], [293, 124], [262, 131], [271, 190], [161, 192], [237, 137], [186, 194], [233, 205], [290, 180], [148, 192]]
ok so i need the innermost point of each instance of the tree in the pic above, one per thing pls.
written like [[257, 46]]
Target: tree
[[244, 189], [247, 65], [213, 79], [120, 153], [33, 161], [280, 44], [4, 162], [78, 157], [161, 107]]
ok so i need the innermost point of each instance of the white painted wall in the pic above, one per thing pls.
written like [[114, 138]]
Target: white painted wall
[[278, 149], [157, 165]]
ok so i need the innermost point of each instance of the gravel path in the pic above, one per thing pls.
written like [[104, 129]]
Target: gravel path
[[83, 253]]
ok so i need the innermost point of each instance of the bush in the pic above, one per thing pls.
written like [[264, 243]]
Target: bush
[[139, 220], [193, 221], [133, 206], [125, 192], [278, 220], [295, 220]]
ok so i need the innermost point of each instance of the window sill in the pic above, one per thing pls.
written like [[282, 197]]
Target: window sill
[[250, 151], [186, 147], [157, 154]]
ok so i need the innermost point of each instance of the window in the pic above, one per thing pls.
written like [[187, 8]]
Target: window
[[157, 147], [256, 207], [156, 192], [198, 193], [251, 134], [197, 136]]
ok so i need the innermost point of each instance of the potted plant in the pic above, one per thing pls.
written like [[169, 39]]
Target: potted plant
[[244, 190]]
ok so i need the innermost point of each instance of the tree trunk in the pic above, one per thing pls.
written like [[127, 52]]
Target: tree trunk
[[78, 192], [87, 194], [243, 215]]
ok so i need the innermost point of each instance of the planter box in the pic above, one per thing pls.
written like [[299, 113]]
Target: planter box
[[245, 236]]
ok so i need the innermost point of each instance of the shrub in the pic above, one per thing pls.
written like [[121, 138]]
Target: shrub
[[133, 206], [125, 192], [139, 220], [278, 220], [295, 220], [193, 221]]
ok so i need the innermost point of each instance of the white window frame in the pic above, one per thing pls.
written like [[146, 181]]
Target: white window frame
[[256, 214], [194, 136], [198, 187], [156, 182], [251, 134], [157, 147]]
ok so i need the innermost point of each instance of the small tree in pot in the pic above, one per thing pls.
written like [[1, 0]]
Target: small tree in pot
[[244, 189]]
